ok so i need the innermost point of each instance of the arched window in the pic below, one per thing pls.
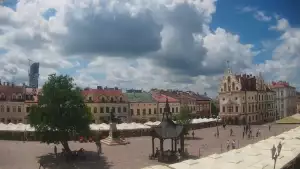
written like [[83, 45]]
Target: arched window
[[233, 85], [225, 87], [2, 108], [228, 79]]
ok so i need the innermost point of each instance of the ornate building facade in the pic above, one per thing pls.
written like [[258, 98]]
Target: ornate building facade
[[285, 98], [12, 109], [103, 101], [245, 99], [142, 106]]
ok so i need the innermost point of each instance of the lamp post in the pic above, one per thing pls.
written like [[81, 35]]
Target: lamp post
[[217, 127], [275, 152]]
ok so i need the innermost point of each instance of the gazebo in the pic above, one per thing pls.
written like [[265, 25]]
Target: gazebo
[[167, 129]]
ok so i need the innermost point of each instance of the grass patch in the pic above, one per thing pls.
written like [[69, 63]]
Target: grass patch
[[288, 120]]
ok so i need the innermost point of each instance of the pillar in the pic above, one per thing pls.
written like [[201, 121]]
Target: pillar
[[153, 146], [175, 141]]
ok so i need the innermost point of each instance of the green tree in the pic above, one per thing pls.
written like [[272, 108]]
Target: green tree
[[183, 118], [60, 112], [214, 109]]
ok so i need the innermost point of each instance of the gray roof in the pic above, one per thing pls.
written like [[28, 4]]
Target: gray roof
[[168, 129]]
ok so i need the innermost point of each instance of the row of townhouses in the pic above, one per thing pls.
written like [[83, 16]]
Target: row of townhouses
[[132, 105], [246, 98]]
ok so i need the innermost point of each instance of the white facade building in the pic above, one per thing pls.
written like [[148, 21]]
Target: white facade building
[[285, 101]]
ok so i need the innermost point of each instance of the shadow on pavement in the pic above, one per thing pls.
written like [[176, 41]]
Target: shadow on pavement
[[193, 138], [91, 161]]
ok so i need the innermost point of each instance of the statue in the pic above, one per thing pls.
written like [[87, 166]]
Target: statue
[[113, 118]]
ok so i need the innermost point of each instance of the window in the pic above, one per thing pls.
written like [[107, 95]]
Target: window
[[131, 112], [101, 110], [138, 112], [233, 85], [236, 109], [90, 98], [121, 99], [7, 109], [225, 87], [176, 109], [119, 109], [27, 109], [124, 109], [14, 109], [249, 108], [107, 110], [281, 93], [230, 109], [172, 109], [95, 109], [2, 108], [19, 109], [111, 99], [160, 110], [113, 109], [223, 108], [144, 112], [154, 110], [149, 112]]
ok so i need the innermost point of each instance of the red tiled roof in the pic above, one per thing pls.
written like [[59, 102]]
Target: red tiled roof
[[33, 91], [8, 91], [96, 93], [162, 98], [280, 84]]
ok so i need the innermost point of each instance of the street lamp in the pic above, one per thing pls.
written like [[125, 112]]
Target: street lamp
[[217, 126], [276, 152]]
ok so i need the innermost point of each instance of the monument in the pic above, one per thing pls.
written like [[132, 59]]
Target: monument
[[114, 135]]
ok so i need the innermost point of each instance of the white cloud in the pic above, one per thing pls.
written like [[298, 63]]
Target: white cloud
[[257, 14], [131, 44], [261, 16]]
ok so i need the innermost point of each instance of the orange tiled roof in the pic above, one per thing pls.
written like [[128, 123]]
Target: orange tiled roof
[[96, 93]]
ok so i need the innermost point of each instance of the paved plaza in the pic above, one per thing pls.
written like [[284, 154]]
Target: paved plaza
[[19, 155]]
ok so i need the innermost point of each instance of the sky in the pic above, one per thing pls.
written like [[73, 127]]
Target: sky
[[144, 44]]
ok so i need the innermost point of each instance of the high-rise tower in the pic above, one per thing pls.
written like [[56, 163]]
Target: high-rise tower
[[34, 74]]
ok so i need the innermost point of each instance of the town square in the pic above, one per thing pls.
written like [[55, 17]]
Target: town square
[[149, 84]]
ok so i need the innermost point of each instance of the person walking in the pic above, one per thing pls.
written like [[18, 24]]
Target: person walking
[[193, 134], [55, 151], [233, 144], [228, 145]]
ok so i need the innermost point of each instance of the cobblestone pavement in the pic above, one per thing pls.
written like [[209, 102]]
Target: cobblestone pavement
[[19, 155]]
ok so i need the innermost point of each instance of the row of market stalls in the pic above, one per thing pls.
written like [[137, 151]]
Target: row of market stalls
[[260, 155], [100, 127]]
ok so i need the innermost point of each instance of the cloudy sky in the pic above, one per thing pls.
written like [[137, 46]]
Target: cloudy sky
[[150, 43]]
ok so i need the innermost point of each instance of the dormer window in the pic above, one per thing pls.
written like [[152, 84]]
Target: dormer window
[[90, 98], [111, 99], [102, 100], [121, 99]]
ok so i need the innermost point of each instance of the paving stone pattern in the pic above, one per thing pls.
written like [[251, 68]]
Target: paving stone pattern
[[19, 155]]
